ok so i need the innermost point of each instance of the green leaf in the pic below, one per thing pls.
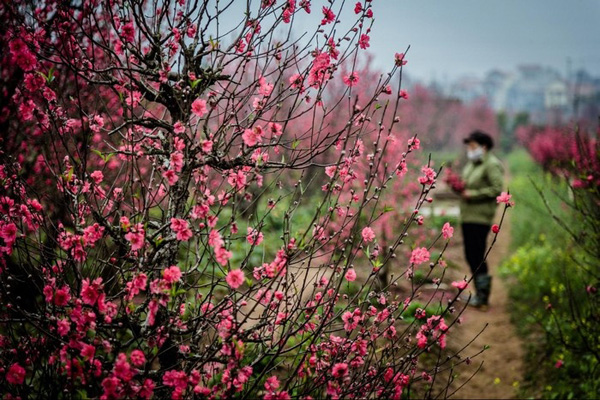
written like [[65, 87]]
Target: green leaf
[[387, 209], [70, 174], [43, 75], [295, 144]]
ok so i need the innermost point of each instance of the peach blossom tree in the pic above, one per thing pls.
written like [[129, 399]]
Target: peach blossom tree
[[169, 180]]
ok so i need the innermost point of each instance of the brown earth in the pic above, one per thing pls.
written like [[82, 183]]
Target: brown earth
[[501, 364]]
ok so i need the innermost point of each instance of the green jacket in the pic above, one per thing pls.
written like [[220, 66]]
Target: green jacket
[[483, 183]]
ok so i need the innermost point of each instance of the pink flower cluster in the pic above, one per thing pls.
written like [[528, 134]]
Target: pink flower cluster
[[181, 229], [419, 256], [428, 177], [436, 329]]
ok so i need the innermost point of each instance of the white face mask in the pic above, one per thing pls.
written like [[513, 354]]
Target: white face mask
[[475, 154]]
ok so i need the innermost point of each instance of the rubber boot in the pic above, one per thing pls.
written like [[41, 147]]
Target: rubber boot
[[483, 286]]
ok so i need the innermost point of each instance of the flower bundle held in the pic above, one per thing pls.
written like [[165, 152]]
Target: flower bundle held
[[454, 181]]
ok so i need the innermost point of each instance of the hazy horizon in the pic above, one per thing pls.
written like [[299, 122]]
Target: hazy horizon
[[468, 38]]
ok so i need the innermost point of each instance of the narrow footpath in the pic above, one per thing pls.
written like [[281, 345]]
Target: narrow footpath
[[502, 367]]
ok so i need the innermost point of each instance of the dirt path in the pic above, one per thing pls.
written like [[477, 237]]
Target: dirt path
[[502, 362]]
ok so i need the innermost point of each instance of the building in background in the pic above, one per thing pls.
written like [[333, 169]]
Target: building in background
[[545, 94]]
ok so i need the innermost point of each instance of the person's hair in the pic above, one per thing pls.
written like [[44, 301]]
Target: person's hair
[[480, 138]]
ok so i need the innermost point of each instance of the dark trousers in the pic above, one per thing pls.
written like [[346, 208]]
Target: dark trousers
[[475, 242]]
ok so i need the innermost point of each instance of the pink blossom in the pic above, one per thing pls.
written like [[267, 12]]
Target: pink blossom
[[367, 234], [128, 32], [235, 278], [402, 168], [504, 198], [399, 59], [199, 107], [351, 275], [178, 128], [414, 143], [170, 176], [63, 327], [90, 291], [358, 8], [252, 136], [133, 98], [305, 4], [97, 176], [421, 340], [330, 170], [339, 370], [191, 30], [92, 234], [207, 146], [428, 177], [447, 231], [296, 81], [172, 274], [26, 109], [419, 256], [62, 296], [88, 351], [272, 384], [181, 228], [460, 285], [96, 123], [22, 55], [8, 233], [275, 128], [122, 368], [136, 237], [237, 179], [363, 42], [329, 16], [265, 88], [559, 364], [351, 79], [152, 310], [222, 255], [403, 94], [214, 239], [495, 228], [15, 374], [254, 237], [137, 358], [177, 161], [111, 386], [137, 284]]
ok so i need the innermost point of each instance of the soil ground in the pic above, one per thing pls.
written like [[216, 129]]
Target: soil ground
[[502, 365]]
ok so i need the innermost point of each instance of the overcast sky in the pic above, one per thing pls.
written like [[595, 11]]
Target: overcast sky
[[450, 38]]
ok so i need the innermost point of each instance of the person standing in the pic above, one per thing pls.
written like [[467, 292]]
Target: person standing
[[483, 179]]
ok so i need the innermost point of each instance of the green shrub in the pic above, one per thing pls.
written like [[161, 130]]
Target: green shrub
[[554, 273]]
